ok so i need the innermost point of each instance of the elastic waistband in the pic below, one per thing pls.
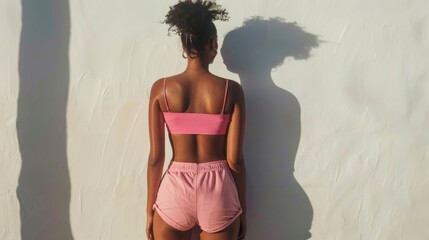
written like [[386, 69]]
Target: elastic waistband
[[198, 167]]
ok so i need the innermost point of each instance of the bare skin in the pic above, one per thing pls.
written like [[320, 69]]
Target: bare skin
[[188, 92]]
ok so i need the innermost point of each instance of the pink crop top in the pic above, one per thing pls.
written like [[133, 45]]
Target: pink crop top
[[196, 123]]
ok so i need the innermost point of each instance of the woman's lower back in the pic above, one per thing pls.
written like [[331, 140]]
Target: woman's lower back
[[198, 148]]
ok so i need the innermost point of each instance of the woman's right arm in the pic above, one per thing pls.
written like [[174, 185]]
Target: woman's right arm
[[234, 150]]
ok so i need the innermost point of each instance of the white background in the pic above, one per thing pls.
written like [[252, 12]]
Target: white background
[[336, 142]]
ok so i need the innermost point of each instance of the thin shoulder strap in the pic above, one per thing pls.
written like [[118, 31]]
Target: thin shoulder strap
[[224, 97], [165, 97]]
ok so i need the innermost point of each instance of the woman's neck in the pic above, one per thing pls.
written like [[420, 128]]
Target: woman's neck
[[197, 65]]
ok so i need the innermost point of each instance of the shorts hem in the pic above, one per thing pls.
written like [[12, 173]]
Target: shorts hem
[[169, 221], [224, 225]]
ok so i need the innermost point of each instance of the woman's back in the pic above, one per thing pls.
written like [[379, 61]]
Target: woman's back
[[207, 95]]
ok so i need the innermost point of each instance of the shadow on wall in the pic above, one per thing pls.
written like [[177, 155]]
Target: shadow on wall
[[278, 207], [44, 184]]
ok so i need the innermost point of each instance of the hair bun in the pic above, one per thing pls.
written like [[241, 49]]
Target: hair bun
[[191, 16], [195, 21]]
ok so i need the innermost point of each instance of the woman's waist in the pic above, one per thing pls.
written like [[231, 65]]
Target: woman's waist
[[191, 166], [190, 156]]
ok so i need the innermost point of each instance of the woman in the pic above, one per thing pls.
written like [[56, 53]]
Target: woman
[[204, 114]]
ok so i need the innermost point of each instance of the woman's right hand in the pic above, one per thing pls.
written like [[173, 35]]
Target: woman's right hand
[[243, 227]]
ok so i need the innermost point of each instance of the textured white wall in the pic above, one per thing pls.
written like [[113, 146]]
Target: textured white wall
[[336, 144]]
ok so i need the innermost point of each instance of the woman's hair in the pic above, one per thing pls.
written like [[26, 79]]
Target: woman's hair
[[193, 21]]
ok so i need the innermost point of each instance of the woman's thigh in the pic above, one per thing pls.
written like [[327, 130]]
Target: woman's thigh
[[228, 233], [163, 231]]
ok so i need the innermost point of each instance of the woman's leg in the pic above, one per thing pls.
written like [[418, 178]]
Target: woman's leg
[[228, 233], [163, 231]]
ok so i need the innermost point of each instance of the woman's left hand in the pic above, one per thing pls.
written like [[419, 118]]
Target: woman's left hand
[[149, 226]]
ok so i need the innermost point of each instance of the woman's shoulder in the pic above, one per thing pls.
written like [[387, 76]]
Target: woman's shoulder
[[234, 87], [159, 83], [157, 89], [235, 90], [231, 82]]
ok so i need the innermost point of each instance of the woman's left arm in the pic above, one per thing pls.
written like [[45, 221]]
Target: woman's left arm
[[156, 153]]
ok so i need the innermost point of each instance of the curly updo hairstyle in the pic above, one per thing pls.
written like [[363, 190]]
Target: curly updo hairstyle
[[193, 22]]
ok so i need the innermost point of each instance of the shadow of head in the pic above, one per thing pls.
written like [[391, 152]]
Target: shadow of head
[[261, 44]]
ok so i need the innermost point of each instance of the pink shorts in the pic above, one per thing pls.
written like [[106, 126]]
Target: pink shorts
[[198, 193]]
